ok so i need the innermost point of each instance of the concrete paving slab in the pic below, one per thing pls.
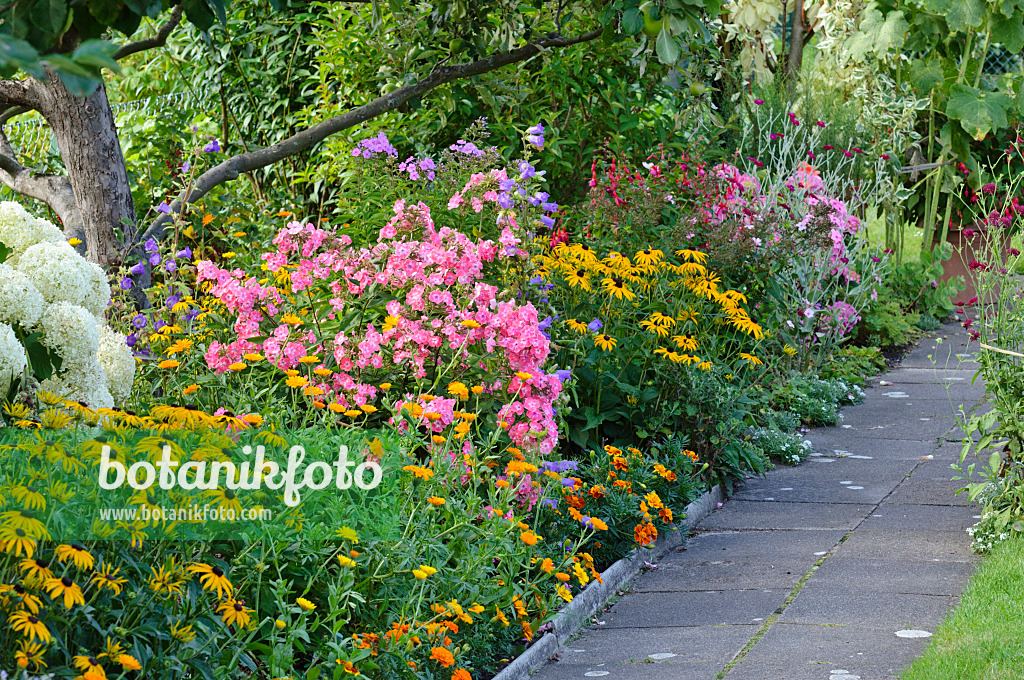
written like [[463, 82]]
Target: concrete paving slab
[[930, 488], [843, 572], [672, 646], [930, 429], [811, 652], [957, 378], [737, 545], [822, 604], [909, 545], [894, 516], [840, 442], [898, 412], [630, 671], [847, 480], [682, 575], [661, 610], [739, 514]]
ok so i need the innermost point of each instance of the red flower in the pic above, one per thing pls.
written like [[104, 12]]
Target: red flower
[[828, 147]]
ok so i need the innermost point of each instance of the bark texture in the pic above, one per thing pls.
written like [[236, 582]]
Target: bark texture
[[87, 139]]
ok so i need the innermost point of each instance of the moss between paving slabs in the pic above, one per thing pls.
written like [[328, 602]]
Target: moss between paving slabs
[[983, 638]]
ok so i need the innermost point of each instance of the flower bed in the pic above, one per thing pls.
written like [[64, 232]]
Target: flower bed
[[543, 388]]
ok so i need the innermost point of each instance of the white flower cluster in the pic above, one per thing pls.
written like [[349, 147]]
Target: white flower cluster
[[47, 287]]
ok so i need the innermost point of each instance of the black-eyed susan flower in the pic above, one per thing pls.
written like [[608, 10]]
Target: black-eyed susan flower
[[750, 359], [166, 582], [605, 342], [29, 497], [15, 541], [212, 578], [234, 613], [182, 633], [89, 664], [30, 654], [29, 626], [35, 568], [692, 255], [65, 589], [576, 325], [686, 342], [76, 554], [106, 577], [578, 278], [16, 596], [25, 519], [649, 256], [617, 288]]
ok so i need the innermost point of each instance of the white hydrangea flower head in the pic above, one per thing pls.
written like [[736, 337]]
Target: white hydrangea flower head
[[70, 330], [85, 381], [118, 363], [57, 271], [97, 295], [12, 357], [19, 230], [20, 301]]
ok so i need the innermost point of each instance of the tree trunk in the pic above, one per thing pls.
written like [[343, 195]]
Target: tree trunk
[[87, 139], [796, 40]]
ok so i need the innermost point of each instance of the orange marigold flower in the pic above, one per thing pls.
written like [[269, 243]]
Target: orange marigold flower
[[645, 534], [442, 656]]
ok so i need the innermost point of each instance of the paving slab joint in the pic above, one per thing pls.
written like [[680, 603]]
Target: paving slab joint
[[575, 615]]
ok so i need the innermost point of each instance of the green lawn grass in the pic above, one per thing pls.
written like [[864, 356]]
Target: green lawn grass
[[983, 638]]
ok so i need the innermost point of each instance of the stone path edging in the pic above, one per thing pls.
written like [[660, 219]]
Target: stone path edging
[[574, 616]]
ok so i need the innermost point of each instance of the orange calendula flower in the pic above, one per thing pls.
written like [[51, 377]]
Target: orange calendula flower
[[419, 471], [435, 500], [296, 381], [190, 389], [169, 363], [529, 538]]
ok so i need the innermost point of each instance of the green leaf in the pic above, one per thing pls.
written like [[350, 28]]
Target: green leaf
[[18, 54], [925, 75], [218, 8], [878, 34], [5, 252], [199, 14], [1010, 32], [97, 54], [79, 80], [667, 48], [632, 21], [978, 112], [104, 11], [965, 14], [49, 15]]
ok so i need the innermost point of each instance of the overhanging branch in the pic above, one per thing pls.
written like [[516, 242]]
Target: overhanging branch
[[158, 40], [231, 168], [18, 93], [53, 190]]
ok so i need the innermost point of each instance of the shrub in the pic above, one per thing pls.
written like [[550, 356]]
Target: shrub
[[52, 333]]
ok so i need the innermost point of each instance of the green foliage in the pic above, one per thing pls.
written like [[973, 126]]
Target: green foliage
[[853, 365], [815, 400], [778, 444], [886, 324]]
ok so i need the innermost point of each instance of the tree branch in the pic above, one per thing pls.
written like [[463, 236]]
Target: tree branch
[[19, 93], [231, 168], [53, 190], [158, 40]]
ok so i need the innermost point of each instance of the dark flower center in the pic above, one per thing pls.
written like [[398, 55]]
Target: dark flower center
[[67, 582], [217, 571], [78, 546]]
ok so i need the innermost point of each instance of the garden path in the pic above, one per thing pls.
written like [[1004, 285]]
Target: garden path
[[837, 569]]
